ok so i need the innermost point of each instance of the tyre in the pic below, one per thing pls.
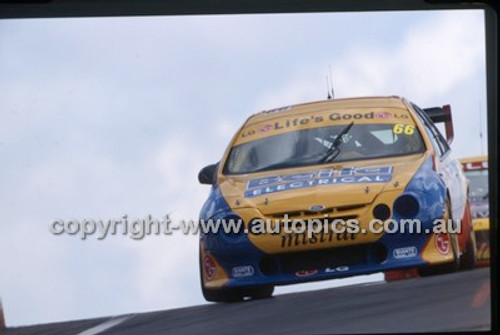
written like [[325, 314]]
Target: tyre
[[222, 294], [469, 258], [261, 292]]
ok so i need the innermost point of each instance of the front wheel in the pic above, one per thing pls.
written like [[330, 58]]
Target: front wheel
[[222, 294], [260, 292], [468, 259], [237, 294]]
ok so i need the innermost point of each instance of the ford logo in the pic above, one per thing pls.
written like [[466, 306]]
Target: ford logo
[[316, 208]]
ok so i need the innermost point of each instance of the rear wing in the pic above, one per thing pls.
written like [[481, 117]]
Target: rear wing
[[442, 114]]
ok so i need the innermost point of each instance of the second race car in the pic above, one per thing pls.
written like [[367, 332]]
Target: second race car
[[476, 171]]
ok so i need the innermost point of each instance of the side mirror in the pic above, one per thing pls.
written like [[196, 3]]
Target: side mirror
[[207, 174]]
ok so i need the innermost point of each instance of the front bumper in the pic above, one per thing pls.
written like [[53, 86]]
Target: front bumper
[[244, 265]]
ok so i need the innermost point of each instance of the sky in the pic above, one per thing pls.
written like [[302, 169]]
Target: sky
[[105, 117]]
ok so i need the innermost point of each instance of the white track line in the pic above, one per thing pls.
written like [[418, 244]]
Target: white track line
[[106, 325]]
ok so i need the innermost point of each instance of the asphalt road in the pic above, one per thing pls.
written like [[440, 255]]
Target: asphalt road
[[454, 302]]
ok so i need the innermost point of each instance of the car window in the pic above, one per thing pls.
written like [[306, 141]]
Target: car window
[[432, 137], [386, 136], [309, 146], [438, 142]]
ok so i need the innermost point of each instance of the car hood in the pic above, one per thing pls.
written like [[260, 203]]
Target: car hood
[[319, 186]]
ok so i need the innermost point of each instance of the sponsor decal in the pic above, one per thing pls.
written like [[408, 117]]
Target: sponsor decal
[[248, 133], [442, 242], [316, 208], [209, 267], [353, 116], [318, 119], [306, 273], [351, 175], [242, 271], [337, 269], [265, 128], [406, 252], [387, 115], [297, 239], [406, 129], [383, 115]]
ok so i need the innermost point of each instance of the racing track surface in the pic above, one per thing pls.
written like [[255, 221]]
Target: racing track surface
[[454, 302]]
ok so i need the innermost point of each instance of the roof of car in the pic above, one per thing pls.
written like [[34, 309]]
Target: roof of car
[[360, 102]]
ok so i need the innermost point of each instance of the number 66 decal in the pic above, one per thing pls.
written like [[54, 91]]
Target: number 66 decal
[[406, 129]]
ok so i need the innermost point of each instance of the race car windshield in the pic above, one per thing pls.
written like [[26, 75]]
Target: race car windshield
[[309, 146], [478, 185]]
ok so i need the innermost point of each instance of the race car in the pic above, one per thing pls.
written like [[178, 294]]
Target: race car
[[355, 160], [476, 171]]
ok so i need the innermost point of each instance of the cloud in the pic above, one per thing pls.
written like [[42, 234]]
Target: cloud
[[433, 58], [439, 60]]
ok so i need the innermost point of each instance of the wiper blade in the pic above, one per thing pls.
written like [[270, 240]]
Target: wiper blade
[[334, 150], [299, 161]]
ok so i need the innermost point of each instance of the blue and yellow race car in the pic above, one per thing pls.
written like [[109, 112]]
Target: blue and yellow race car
[[357, 160]]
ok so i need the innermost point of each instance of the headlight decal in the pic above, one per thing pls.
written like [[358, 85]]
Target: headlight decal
[[214, 205]]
